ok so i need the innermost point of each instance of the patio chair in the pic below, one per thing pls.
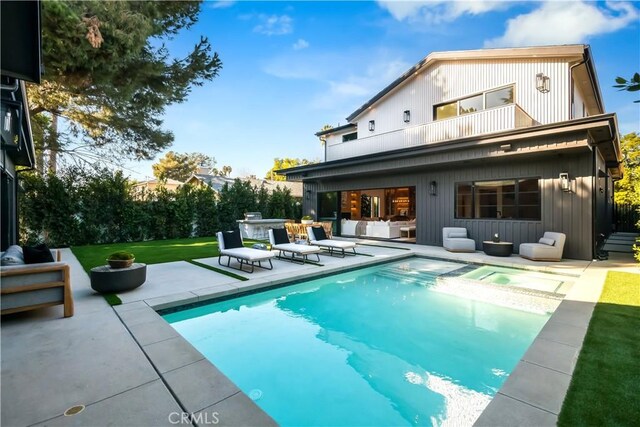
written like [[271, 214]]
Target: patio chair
[[454, 239], [230, 245], [548, 248], [318, 237], [280, 241]]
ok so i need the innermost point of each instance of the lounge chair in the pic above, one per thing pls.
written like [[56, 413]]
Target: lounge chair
[[279, 240], [548, 248], [454, 239], [318, 237], [230, 245]]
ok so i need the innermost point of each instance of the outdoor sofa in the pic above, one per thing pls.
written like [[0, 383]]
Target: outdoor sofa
[[455, 239], [548, 248], [230, 245], [26, 287], [279, 239], [318, 237]]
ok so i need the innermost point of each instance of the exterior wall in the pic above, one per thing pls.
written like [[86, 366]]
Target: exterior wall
[[451, 80], [579, 108], [567, 212], [8, 202], [603, 195]]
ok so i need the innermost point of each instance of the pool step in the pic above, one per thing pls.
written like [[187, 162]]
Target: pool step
[[518, 298], [414, 276]]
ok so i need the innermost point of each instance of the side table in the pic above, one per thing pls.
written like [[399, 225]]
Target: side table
[[503, 249]]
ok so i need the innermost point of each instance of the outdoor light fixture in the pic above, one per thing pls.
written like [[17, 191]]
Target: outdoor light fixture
[[308, 194], [565, 185], [506, 147], [10, 118], [372, 125], [433, 188], [407, 116], [542, 82]]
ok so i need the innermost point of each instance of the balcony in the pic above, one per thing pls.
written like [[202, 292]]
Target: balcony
[[480, 123]]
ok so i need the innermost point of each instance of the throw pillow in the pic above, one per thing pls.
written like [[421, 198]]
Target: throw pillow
[[319, 233], [547, 241], [280, 236], [458, 235], [37, 254], [232, 239], [12, 256]]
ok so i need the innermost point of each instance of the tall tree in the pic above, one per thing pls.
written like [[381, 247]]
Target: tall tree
[[180, 166], [109, 76], [627, 190], [284, 163]]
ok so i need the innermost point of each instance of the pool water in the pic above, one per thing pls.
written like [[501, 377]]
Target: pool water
[[373, 346]]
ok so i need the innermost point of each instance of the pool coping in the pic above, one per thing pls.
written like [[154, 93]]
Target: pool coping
[[534, 390]]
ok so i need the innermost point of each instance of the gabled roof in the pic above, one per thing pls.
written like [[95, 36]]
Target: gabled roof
[[579, 52]]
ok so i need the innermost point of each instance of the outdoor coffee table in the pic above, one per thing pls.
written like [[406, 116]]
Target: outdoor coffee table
[[105, 279], [503, 249]]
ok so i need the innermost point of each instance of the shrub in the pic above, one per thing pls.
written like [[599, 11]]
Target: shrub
[[121, 256]]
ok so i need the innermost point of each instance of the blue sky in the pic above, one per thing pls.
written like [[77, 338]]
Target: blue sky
[[291, 67]]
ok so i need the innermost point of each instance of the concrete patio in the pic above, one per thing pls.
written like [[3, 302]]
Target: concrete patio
[[127, 366]]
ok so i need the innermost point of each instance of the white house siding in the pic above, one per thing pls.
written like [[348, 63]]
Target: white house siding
[[579, 109], [450, 80]]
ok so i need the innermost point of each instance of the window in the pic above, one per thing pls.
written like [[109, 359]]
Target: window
[[471, 104], [504, 199], [499, 97], [349, 136]]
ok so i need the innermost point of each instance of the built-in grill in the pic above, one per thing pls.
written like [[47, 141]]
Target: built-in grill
[[252, 215]]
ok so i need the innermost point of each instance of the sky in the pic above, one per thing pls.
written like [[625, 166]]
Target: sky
[[291, 67]]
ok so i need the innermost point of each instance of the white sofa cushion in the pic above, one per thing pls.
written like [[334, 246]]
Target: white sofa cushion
[[12, 256]]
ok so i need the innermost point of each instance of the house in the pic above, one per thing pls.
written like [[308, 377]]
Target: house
[[509, 141], [20, 62], [152, 184], [216, 182]]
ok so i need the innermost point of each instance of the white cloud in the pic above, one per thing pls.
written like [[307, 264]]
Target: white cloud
[[274, 25], [300, 44], [356, 89], [222, 4], [439, 11], [565, 23]]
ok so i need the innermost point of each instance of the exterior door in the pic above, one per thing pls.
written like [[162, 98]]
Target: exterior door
[[328, 208]]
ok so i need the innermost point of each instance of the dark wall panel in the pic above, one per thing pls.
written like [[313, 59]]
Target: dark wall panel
[[567, 212]]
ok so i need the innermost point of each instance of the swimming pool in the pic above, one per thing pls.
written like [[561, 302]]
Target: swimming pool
[[375, 346]]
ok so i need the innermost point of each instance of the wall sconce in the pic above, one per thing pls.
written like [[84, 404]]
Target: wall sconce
[[372, 125], [11, 118], [565, 184], [308, 194], [506, 147], [542, 82], [433, 188], [407, 116]]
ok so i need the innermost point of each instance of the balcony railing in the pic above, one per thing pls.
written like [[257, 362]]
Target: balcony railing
[[482, 122]]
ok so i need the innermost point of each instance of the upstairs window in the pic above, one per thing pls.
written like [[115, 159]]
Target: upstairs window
[[504, 199], [472, 104], [349, 136]]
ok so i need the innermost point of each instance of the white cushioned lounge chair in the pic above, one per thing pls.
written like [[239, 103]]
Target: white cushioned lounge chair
[[548, 248], [230, 245], [318, 237], [279, 239], [454, 239]]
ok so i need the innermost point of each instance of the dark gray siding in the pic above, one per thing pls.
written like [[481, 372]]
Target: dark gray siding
[[566, 212]]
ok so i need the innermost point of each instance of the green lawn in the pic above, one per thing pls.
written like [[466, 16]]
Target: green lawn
[[152, 252], [605, 389]]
